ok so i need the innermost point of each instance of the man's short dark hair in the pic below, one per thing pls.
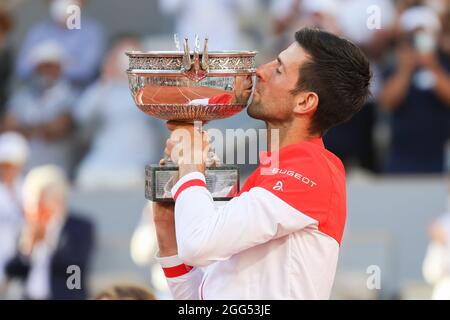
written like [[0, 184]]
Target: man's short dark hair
[[338, 72]]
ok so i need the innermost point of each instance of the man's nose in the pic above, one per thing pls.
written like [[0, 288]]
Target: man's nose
[[260, 73]]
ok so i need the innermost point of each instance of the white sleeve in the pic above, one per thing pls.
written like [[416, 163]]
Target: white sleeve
[[206, 234], [183, 281]]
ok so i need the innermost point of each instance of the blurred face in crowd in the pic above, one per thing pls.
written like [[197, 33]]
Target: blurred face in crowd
[[116, 62], [273, 99], [51, 204], [9, 172], [317, 20], [445, 36], [126, 292], [404, 4], [59, 9], [440, 6], [47, 74], [5, 26], [422, 40]]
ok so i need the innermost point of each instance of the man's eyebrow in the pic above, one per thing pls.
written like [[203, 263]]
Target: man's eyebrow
[[279, 60]]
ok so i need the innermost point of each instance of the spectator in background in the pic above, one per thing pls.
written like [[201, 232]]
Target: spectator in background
[[416, 94], [13, 155], [436, 265], [117, 157], [443, 10], [403, 5], [126, 292], [356, 16], [5, 57], [42, 109], [441, 7], [84, 46], [143, 245], [51, 240], [143, 250], [353, 142], [217, 20], [292, 15]]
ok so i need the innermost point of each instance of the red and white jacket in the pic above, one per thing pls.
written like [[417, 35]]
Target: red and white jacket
[[279, 239]]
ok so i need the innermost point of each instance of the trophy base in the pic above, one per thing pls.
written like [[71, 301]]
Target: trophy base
[[221, 181]]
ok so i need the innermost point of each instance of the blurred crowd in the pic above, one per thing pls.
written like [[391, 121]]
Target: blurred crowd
[[67, 118], [405, 127]]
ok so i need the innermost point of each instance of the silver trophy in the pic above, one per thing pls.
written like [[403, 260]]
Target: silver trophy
[[190, 87]]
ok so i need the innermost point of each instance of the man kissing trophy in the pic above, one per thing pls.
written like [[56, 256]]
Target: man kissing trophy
[[192, 87]]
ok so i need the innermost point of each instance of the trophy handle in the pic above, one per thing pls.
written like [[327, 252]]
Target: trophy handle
[[193, 68], [187, 62], [205, 57]]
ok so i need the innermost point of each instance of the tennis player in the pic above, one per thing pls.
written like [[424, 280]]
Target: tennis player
[[280, 238]]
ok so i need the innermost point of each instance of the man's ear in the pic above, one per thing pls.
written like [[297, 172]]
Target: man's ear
[[306, 102]]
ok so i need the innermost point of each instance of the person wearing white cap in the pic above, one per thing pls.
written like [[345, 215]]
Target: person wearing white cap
[[84, 45], [42, 109], [416, 95], [13, 155]]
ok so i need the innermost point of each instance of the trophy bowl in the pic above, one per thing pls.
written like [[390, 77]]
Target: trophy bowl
[[162, 88], [190, 86]]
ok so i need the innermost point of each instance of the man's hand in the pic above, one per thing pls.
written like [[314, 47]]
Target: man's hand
[[407, 58], [187, 147], [242, 89], [428, 61], [164, 219], [31, 236]]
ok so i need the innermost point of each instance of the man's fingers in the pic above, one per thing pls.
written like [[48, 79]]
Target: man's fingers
[[167, 152], [183, 146], [248, 84], [173, 125], [205, 135], [243, 88], [244, 83], [170, 144]]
